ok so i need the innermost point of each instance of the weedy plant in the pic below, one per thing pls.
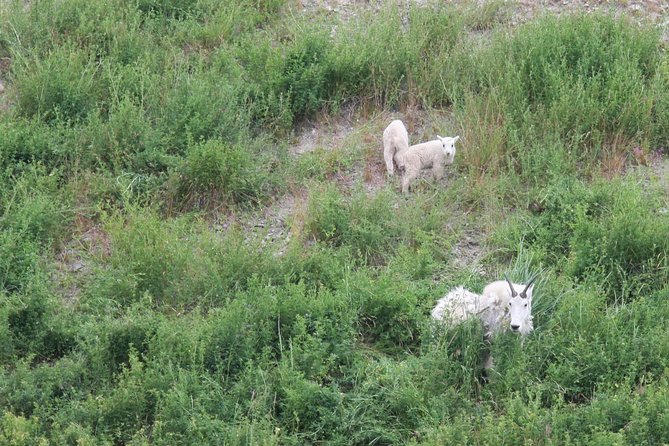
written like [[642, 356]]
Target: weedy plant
[[145, 138]]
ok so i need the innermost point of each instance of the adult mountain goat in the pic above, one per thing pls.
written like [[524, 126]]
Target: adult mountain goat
[[500, 307]]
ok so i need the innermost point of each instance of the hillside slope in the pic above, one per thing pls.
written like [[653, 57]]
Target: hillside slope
[[199, 243]]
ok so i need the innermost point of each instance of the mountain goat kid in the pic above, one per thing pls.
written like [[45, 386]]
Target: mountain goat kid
[[395, 139], [435, 154], [499, 307]]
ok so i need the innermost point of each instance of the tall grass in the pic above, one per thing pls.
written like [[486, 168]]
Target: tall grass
[[148, 140]]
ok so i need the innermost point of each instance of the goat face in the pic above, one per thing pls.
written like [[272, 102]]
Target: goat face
[[448, 146], [520, 314], [520, 308]]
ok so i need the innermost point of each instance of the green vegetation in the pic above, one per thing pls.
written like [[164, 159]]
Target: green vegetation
[[145, 299]]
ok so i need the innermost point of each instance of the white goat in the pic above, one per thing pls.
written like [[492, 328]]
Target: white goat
[[458, 305], [435, 154], [500, 307], [395, 139]]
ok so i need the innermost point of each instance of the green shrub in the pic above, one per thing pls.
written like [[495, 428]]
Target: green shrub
[[581, 80], [305, 74], [388, 315], [565, 204], [19, 257], [33, 207], [321, 164], [126, 337], [660, 106], [35, 324], [177, 9], [234, 339], [130, 406], [126, 141], [178, 265], [328, 216], [372, 230], [558, 55], [61, 86], [451, 362], [27, 141], [367, 224], [305, 408], [313, 328], [142, 252], [199, 105], [318, 266], [37, 390], [625, 250], [215, 172], [19, 431], [375, 59], [609, 233]]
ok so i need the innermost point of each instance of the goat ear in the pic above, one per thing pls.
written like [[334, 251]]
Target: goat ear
[[456, 138], [439, 137]]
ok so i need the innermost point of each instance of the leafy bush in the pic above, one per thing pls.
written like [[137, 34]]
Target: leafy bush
[[305, 74], [389, 315], [126, 141], [18, 431], [609, 233], [19, 258], [178, 9], [61, 86], [577, 80], [35, 326], [200, 106], [625, 251], [565, 204], [215, 172], [24, 142], [33, 207], [366, 224], [178, 265]]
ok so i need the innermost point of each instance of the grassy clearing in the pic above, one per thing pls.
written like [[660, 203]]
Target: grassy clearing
[[142, 301]]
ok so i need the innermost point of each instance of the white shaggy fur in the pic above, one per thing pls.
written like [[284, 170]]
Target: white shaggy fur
[[458, 305], [496, 307], [395, 139], [435, 154]]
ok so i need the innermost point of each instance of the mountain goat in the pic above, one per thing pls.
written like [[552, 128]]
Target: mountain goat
[[435, 154], [395, 139], [499, 307]]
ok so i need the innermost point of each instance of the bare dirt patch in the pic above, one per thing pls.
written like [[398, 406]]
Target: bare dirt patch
[[73, 262], [656, 170], [329, 134]]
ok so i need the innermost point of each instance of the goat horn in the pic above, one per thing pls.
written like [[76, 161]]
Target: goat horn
[[523, 293], [513, 292]]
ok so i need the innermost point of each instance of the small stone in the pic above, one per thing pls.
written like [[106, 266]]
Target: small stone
[[76, 266]]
